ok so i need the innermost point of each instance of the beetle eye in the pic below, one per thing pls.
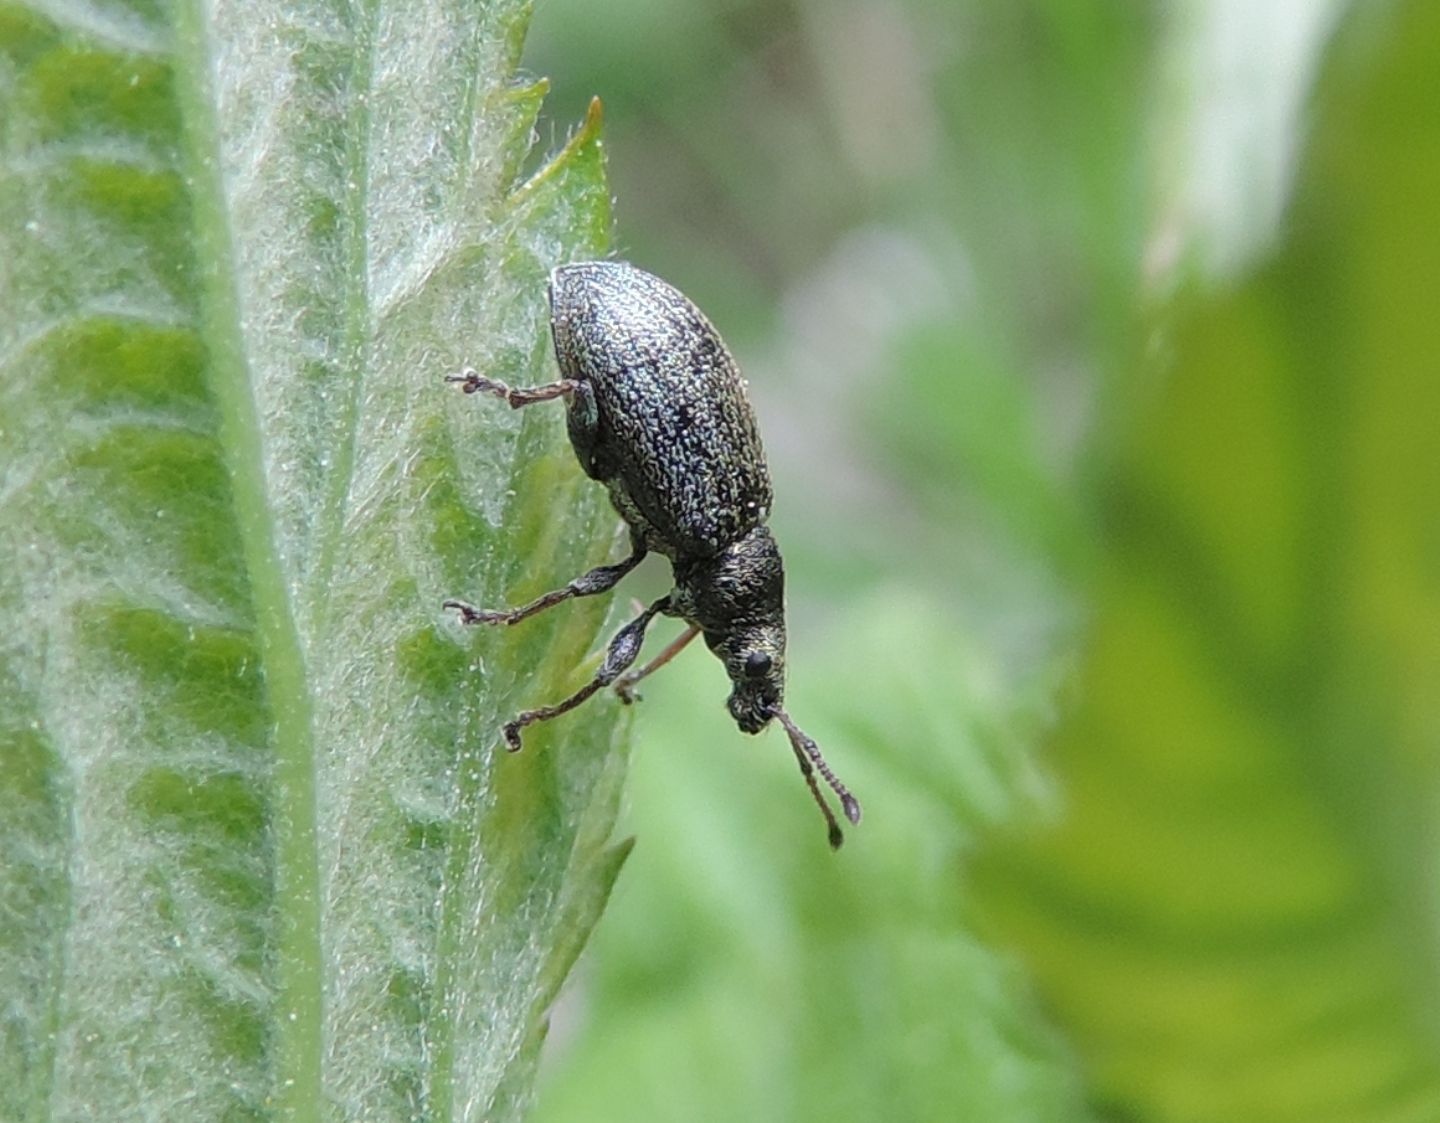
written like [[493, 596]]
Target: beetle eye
[[757, 663]]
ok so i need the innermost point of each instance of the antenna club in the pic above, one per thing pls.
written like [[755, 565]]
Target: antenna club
[[807, 753]]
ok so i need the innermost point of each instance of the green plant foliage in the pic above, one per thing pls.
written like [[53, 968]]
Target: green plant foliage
[[258, 855], [1235, 915], [760, 977]]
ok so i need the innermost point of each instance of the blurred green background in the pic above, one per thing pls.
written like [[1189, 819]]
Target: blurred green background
[[1095, 351]]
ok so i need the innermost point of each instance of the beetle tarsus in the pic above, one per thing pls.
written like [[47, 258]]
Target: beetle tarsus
[[472, 382], [469, 614]]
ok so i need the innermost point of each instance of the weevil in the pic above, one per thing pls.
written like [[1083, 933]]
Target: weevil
[[656, 411]]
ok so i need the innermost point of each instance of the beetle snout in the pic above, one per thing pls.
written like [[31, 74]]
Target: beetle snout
[[752, 707]]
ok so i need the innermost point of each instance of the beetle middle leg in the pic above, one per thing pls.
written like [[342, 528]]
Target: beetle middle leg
[[598, 580], [623, 650]]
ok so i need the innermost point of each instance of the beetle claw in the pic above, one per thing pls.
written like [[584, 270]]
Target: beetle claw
[[469, 614]]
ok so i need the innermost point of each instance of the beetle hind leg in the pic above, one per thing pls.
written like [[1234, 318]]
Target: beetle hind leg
[[473, 382]]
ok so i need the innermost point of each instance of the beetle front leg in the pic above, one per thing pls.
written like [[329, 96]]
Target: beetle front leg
[[625, 688], [622, 652], [598, 580]]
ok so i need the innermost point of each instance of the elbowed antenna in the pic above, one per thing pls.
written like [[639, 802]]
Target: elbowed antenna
[[807, 752]]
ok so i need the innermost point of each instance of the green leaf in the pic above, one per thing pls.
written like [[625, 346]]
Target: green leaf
[[259, 855], [1235, 914]]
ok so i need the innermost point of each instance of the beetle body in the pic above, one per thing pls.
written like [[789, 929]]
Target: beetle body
[[656, 411], [664, 422]]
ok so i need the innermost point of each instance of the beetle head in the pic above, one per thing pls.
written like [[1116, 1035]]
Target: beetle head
[[756, 665], [737, 597]]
